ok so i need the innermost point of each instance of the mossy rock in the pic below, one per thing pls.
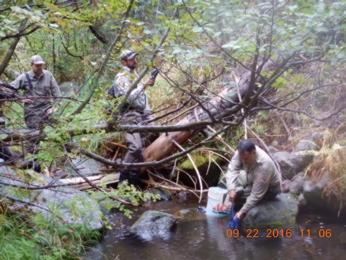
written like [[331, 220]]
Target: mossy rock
[[278, 213], [208, 166], [154, 224]]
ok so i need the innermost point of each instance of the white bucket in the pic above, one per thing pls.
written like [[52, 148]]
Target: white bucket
[[218, 204]]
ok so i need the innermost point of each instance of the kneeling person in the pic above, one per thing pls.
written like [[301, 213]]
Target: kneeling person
[[251, 177]]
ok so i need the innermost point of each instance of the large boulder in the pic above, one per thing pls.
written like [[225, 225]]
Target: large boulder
[[85, 167], [321, 201], [291, 163], [284, 159], [280, 212], [154, 224], [41, 194]]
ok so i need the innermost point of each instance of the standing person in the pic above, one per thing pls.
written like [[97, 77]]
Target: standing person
[[39, 87], [135, 110], [251, 177]]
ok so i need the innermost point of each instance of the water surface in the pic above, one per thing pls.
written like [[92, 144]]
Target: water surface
[[315, 237]]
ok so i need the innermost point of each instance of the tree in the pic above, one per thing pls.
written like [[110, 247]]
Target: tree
[[266, 52]]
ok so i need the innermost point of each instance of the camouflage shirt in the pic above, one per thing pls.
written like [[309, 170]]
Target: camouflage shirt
[[261, 174], [137, 99], [44, 86]]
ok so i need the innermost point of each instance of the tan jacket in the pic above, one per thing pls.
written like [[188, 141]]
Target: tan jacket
[[261, 174]]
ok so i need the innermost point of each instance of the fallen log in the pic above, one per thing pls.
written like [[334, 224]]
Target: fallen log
[[226, 103], [102, 179]]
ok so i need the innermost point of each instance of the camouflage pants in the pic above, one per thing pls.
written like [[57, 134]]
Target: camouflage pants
[[135, 143], [38, 118]]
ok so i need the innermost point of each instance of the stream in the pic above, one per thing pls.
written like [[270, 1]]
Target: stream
[[199, 237]]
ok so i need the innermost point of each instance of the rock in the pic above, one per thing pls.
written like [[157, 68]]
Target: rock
[[303, 153], [297, 184], [54, 199], [278, 213], [154, 224], [316, 198], [273, 148], [85, 166], [291, 163], [302, 200], [164, 194], [191, 214], [208, 167], [288, 169], [285, 186]]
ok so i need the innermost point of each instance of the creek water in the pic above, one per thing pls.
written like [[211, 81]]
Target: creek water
[[199, 237]]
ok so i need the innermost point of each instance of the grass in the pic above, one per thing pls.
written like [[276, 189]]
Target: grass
[[21, 238]]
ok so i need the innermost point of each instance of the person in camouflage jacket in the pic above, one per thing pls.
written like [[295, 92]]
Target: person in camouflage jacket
[[136, 110]]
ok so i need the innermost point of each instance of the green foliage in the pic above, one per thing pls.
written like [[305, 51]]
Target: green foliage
[[33, 237], [205, 37], [128, 193]]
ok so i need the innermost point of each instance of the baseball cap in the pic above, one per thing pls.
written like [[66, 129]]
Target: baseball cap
[[128, 54], [36, 59]]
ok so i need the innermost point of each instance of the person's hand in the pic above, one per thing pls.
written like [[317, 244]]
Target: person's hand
[[51, 110], [150, 81], [232, 194], [27, 101], [239, 215]]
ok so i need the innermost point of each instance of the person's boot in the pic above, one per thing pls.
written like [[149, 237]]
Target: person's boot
[[134, 179], [37, 167], [131, 177]]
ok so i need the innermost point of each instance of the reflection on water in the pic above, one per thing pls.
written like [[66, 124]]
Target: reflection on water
[[205, 238]]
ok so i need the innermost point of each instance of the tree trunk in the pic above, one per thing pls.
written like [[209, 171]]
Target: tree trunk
[[224, 104], [212, 110]]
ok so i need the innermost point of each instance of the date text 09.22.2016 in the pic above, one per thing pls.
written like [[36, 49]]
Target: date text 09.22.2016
[[279, 233]]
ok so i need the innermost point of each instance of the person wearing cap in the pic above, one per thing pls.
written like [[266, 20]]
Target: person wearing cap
[[251, 177], [39, 87], [135, 111]]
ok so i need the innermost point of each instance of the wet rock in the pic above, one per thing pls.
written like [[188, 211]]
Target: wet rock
[[281, 212], [154, 224], [54, 199], [164, 194]]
